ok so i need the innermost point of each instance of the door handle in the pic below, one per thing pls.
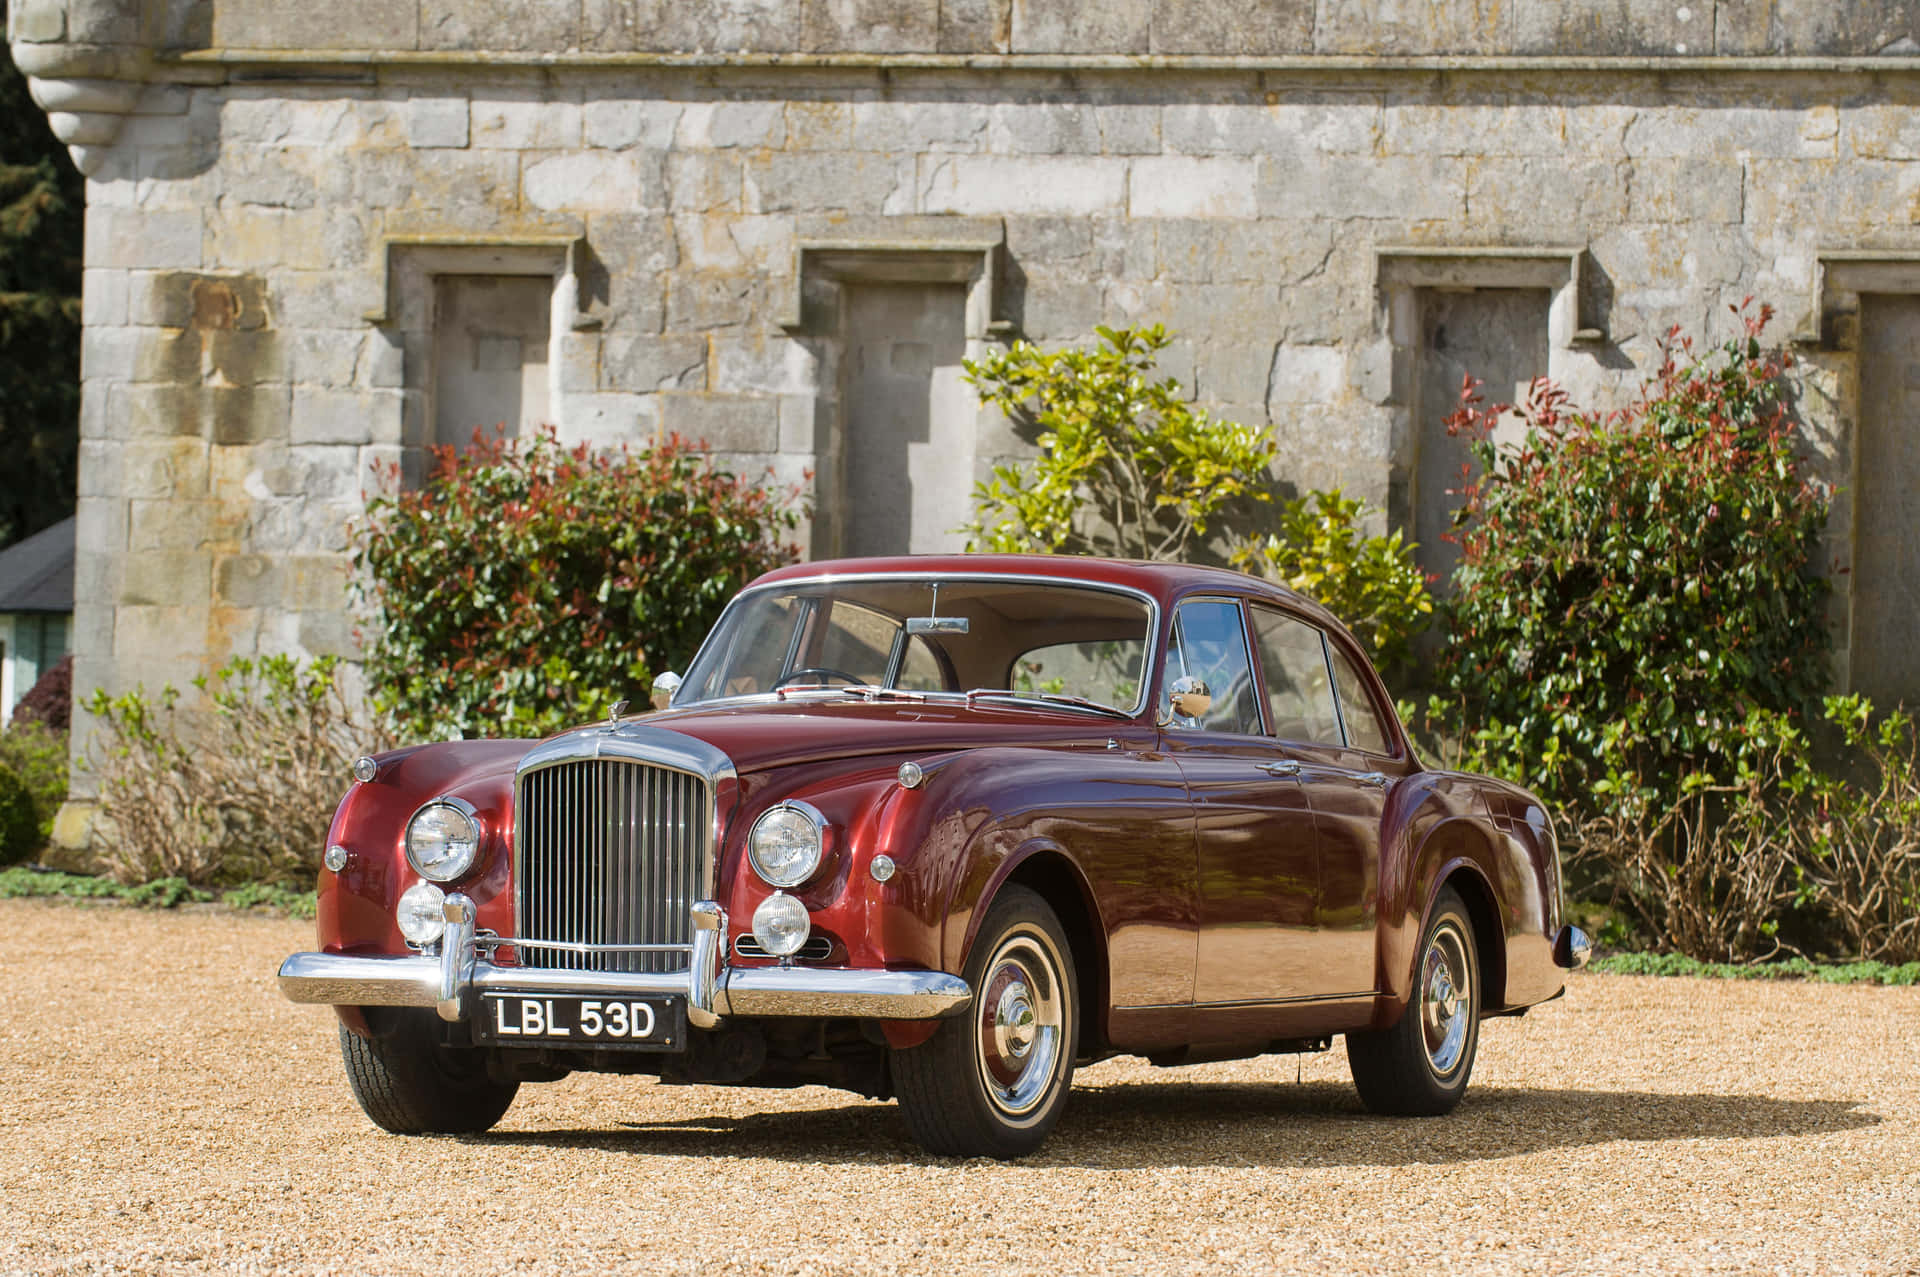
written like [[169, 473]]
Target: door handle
[[1377, 779], [1281, 769]]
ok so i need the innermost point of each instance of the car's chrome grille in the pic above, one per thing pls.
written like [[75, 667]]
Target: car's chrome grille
[[608, 853]]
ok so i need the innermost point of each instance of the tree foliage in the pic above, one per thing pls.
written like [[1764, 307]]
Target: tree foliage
[[1633, 585], [42, 202], [1127, 468], [528, 585]]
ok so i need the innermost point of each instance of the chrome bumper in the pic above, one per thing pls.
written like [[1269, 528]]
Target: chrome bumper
[[1571, 948], [712, 989]]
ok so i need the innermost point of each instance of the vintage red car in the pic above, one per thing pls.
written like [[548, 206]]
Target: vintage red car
[[942, 829]]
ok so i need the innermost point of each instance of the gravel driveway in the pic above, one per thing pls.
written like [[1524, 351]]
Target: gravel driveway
[[166, 1110]]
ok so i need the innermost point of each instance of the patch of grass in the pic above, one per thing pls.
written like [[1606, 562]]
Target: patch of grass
[[1673, 964], [22, 882]]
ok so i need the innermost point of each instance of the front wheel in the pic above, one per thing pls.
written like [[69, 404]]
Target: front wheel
[[409, 1084], [992, 1082], [1420, 1066]]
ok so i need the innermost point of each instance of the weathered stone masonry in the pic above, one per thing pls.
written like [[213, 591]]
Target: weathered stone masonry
[[778, 226]]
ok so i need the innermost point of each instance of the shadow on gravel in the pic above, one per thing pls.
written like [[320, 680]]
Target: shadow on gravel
[[1236, 1124]]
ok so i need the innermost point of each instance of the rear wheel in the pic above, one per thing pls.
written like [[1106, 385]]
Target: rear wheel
[[1420, 1066], [409, 1084], [992, 1082]]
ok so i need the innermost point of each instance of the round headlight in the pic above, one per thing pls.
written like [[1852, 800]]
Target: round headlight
[[780, 925], [419, 913], [785, 845], [442, 840]]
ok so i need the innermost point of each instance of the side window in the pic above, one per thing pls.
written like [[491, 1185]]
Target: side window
[[1364, 729], [920, 669], [1293, 659], [1210, 644]]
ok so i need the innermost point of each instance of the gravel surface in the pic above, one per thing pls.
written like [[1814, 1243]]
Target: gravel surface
[[167, 1111]]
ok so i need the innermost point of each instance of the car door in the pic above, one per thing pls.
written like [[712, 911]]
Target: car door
[[1254, 830]]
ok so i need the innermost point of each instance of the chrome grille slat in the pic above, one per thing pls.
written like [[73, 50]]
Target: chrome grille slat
[[608, 854]]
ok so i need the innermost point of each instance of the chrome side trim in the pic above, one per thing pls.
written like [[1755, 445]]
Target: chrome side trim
[[712, 989]]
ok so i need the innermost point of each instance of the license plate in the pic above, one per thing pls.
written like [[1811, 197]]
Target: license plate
[[540, 1019]]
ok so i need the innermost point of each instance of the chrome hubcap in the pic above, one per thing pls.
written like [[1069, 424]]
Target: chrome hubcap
[[1446, 998], [1021, 1027]]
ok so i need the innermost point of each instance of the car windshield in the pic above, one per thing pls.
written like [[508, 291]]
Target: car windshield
[[930, 636]]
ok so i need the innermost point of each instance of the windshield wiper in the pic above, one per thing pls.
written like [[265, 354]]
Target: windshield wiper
[[1050, 698]]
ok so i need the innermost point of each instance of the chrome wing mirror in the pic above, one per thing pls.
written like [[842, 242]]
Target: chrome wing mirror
[[663, 689], [1187, 697]]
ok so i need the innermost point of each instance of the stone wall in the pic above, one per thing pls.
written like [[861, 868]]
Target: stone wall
[[263, 237]]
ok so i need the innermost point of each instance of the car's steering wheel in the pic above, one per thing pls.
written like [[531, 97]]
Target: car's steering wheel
[[816, 673]]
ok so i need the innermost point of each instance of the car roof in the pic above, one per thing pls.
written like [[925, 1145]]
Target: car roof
[[1164, 582]]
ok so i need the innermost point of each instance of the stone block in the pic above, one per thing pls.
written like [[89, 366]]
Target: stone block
[[853, 183], [318, 582], [110, 354], [1614, 28], [976, 26], [167, 578], [343, 24], [1857, 28], [620, 123], [159, 240], [701, 182], [1237, 372], [99, 472], [37, 21], [103, 297], [1378, 28], [735, 245], [1686, 191], [438, 122], [1060, 308], [1729, 132], [1048, 241], [805, 422], [1546, 200], [248, 580], [335, 416], [1255, 28], [1017, 185], [584, 182], [1069, 26], [819, 126], [1396, 188], [1306, 375], [325, 299], [1880, 131], [696, 303], [756, 363], [525, 123], [328, 634], [1043, 128], [727, 423], [646, 363], [1189, 186], [157, 412], [579, 362], [709, 126], [1211, 252], [607, 419], [1128, 130], [895, 127], [673, 26], [520, 26], [326, 473], [869, 26], [1286, 126], [1416, 125], [328, 357], [1124, 249], [103, 22]]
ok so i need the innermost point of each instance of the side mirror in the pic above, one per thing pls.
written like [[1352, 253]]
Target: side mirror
[[663, 689], [1188, 697]]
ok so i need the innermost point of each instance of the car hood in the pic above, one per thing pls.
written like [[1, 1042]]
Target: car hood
[[760, 736]]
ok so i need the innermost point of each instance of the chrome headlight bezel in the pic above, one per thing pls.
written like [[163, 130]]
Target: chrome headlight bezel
[[456, 853], [787, 843]]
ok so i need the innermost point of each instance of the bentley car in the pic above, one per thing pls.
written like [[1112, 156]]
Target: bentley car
[[941, 828]]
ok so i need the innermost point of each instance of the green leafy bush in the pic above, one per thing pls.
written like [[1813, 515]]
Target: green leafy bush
[[1128, 468], [19, 827], [528, 585], [241, 790], [37, 754], [1369, 582], [1633, 585]]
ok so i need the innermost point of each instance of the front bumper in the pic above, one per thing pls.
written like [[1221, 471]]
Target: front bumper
[[712, 989]]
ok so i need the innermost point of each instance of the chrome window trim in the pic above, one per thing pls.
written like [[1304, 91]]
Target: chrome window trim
[[1019, 578]]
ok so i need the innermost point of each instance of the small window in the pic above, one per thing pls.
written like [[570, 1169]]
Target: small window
[[1293, 660], [858, 641], [1210, 644], [1364, 729]]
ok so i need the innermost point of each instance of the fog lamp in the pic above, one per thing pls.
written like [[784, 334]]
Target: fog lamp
[[780, 924], [420, 915]]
